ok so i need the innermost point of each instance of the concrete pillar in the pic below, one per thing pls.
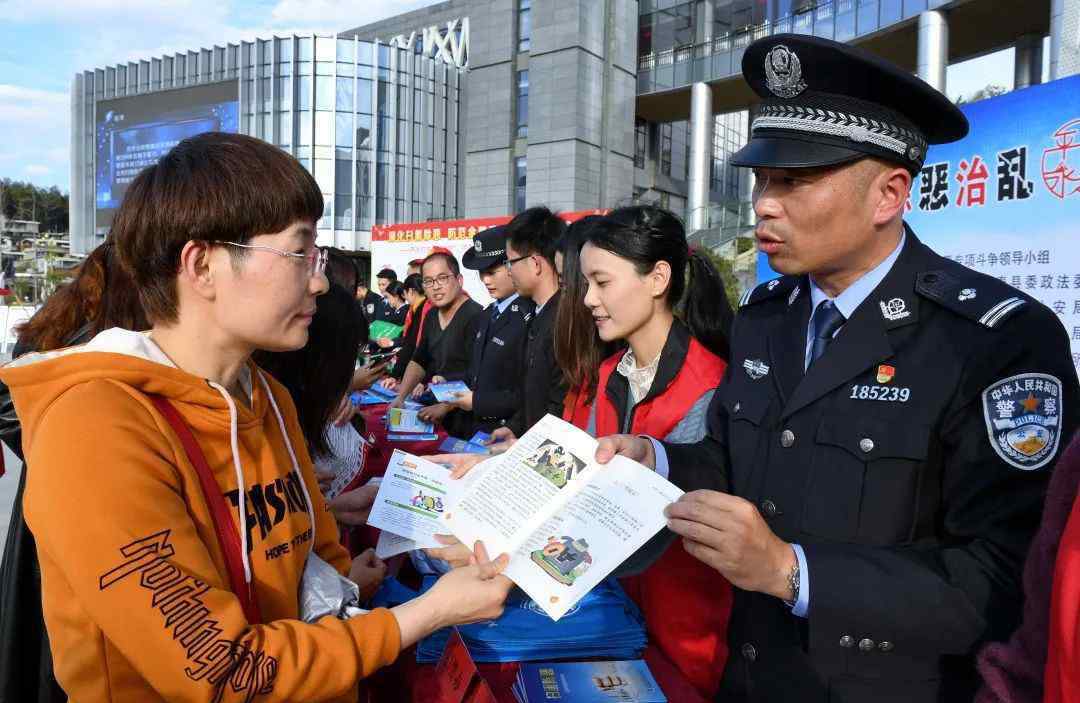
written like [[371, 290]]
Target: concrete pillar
[[1028, 63], [1064, 38], [704, 21], [933, 48], [701, 151]]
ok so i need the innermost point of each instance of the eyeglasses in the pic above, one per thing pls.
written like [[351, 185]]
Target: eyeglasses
[[316, 260], [442, 279], [509, 263]]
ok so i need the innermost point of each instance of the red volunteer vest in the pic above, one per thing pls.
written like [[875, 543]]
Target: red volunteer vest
[[686, 604]]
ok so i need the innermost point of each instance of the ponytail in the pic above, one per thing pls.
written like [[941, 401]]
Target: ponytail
[[705, 307]]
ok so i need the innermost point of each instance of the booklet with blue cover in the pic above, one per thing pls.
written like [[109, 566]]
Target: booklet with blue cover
[[400, 420], [587, 682], [447, 392], [453, 445]]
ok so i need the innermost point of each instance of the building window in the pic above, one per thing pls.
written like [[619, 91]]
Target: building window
[[519, 184], [522, 103], [524, 24], [641, 143], [665, 149]]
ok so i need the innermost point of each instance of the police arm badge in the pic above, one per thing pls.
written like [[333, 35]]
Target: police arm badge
[[1023, 418]]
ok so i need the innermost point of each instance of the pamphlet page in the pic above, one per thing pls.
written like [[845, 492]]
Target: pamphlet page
[[566, 521], [411, 500], [523, 487]]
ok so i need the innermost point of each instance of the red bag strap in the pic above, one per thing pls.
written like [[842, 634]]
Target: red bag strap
[[228, 537]]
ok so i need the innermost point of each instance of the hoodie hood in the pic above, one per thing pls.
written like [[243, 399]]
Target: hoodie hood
[[133, 359]]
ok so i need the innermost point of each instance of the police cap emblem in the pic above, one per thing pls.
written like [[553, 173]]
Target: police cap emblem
[[477, 245], [783, 72], [1023, 418]]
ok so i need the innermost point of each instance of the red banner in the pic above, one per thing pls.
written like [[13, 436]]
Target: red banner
[[454, 229]]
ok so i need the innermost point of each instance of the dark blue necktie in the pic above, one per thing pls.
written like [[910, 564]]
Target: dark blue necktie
[[827, 319]]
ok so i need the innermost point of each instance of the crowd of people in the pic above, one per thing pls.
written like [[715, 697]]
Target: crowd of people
[[880, 491]]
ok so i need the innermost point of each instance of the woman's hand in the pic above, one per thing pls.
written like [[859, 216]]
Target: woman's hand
[[418, 391], [501, 440], [454, 553], [365, 376], [438, 379], [352, 508], [460, 464], [345, 412], [463, 400], [435, 413], [367, 572], [467, 594], [389, 383]]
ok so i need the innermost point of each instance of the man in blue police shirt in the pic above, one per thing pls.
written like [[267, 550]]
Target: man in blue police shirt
[[889, 419], [495, 366]]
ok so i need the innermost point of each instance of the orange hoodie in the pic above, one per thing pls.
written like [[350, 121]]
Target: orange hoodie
[[135, 587]]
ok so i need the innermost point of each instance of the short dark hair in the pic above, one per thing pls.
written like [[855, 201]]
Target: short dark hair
[[210, 187], [414, 283], [450, 259], [388, 274], [536, 231], [397, 289]]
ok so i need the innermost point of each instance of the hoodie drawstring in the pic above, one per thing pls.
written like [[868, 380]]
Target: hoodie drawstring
[[241, 507]]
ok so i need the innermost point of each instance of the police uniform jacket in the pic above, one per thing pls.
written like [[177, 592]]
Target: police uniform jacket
[[909, 461], [544, 386], [495, 364]]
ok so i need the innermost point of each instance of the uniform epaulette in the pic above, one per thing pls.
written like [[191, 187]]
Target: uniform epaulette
[[971, 294], [769, 289]]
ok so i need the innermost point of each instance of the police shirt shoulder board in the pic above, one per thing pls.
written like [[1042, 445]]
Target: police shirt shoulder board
[[769, 289], [1023, 419], [976, 296]]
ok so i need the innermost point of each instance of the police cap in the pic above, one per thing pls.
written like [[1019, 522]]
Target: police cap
[[488, 249], [826, 103]]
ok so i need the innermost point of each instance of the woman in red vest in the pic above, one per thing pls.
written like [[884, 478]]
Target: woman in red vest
[[645, 287]]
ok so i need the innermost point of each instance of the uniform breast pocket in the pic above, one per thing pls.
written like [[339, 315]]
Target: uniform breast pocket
[[864, 478], [746, 411]]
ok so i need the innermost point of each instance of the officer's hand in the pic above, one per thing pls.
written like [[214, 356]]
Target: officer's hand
[[630, 446], [418, 391], [435, 413], [438, 379], [460, 464], [502, 439], [463, 400], [729, 534]]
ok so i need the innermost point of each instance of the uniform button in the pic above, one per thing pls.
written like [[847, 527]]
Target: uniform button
[[768, 508], [866, 444], [847, 641], [749, 652], [787, 438], [867, 645], [885, 646], [737, 408]]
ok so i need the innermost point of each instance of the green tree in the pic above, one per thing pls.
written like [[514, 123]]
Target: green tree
[[991, 91], [25, 201]]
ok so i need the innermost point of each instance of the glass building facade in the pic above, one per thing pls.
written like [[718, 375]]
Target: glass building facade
[[377, 126]]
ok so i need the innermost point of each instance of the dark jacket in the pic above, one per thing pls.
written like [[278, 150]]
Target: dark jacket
[[886, 460], [543, 386], [26, 671], [495, 364]]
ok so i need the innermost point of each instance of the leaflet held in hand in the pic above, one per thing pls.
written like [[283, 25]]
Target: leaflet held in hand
[[566, 521], [411, 500]]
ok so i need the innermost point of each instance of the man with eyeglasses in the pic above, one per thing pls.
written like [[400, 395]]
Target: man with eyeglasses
[[443, 352], [532, 239]]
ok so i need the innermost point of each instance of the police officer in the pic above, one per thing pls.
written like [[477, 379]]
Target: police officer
[[497, 347], [889, 418]]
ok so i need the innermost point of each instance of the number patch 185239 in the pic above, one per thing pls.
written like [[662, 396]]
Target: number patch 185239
[[889, 394]]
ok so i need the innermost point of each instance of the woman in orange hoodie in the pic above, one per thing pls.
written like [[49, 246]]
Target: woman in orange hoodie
[[169, 578]]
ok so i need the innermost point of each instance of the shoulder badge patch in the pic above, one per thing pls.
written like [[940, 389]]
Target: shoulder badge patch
[[1023, 419]]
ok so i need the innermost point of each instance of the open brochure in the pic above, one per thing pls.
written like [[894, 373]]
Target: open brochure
[[566, 521]]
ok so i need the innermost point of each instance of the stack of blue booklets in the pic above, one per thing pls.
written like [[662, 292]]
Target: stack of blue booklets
[[605, 624], [587, 682]]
